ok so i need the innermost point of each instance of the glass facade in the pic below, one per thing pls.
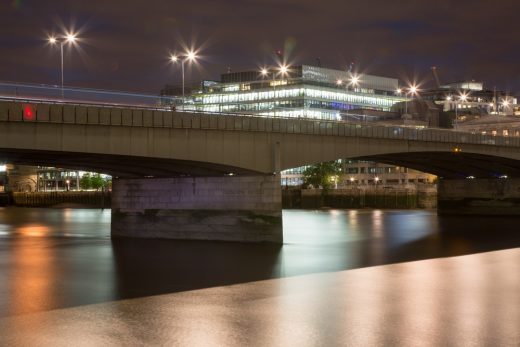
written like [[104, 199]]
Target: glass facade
[[305, 92], [53, 179]]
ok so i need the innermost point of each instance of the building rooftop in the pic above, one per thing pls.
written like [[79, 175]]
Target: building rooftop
[[315, 74]]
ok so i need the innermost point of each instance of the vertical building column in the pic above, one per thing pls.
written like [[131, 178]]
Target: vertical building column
[[230, 208]]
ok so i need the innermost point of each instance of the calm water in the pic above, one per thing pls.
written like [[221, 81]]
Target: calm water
[[51, 258]]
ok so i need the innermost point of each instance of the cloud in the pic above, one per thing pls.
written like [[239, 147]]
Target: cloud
[[463, 38]]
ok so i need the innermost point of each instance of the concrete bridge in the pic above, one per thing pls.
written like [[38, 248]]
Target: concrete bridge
[[207, 176]]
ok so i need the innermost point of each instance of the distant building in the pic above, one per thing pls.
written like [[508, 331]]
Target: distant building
[[303, 91], [367, 173], [470, 98], [491, 125], [415, 112], [56, 179], [20, 178], [358, 172]]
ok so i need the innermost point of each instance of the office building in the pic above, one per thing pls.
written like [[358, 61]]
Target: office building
[[471, 98], [300, 91]]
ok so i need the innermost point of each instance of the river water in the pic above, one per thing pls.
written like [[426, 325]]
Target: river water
[[64, 259]]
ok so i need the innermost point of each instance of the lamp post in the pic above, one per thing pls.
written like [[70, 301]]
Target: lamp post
[[412, 90], [505, 105], [462, 97], [68, 38], [283, 71], [189, 56], [449, 98], [399, 92]]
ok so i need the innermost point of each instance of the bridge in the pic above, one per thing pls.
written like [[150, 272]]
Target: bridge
[[208, 176]]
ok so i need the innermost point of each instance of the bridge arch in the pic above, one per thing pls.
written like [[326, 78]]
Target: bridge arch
[[135, 142]]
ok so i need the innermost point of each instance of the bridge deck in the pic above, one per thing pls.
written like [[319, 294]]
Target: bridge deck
[[37, 111]]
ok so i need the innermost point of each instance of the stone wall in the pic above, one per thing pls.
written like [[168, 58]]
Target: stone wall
[[479, 196], [230, 208], [79, 199], [425, 197], [21, 178]]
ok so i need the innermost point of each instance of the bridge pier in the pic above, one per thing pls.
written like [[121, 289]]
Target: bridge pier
[[486, 197], [230, 208]]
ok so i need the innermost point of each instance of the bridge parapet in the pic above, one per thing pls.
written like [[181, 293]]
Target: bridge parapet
[[29, 111]]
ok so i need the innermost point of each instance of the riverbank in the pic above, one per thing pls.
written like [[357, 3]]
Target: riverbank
[[82, 199], [366, 197], [379, 197]]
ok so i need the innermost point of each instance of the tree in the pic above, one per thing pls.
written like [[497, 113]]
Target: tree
[[97, 181], [108, 184], [322, 175], [85, 181]]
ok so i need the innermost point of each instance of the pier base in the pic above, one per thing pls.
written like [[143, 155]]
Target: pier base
[[246, 209], [484, 197]]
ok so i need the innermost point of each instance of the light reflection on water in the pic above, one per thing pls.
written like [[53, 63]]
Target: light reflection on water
[[55, 258]]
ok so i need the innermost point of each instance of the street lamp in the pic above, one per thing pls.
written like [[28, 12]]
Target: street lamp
[[462, 97], [284, 70], [412, 90], [189, 56], [68, 38], [354, 81], [505, 105]]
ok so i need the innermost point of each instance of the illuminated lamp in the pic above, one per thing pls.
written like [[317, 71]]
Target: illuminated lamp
[[29, 112]]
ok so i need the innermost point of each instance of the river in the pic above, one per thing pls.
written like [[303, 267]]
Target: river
[[52, 260]]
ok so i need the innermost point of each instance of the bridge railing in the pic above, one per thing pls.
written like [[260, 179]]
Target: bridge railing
[[22, 111], [83, 96]]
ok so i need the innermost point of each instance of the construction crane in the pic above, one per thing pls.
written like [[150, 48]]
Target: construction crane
[[436, 76]]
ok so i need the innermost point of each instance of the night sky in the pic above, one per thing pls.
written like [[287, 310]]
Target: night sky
[[125, 45]]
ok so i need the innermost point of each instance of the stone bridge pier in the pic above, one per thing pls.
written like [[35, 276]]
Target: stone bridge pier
[[484, 197], [224, 208]]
